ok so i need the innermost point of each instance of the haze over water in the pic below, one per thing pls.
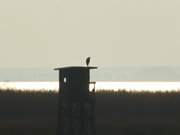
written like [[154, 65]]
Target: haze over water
[[119, 78]]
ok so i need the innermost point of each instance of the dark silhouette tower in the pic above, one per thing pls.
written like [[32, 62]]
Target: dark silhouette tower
[[76, 112]]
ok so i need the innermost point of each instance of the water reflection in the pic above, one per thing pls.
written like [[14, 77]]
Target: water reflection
[[129, 86]]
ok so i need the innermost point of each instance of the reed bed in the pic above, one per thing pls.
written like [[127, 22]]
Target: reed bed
[[120, 112]]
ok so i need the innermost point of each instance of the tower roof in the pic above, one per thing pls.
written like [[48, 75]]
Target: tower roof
[[76, 67]]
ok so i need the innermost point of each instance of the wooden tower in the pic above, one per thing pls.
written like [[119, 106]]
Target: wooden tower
[[76, 112]]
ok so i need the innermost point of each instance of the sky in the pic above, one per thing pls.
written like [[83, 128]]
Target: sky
[[54, 33]]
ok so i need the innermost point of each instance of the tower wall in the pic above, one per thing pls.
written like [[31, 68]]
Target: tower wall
[[76, 110]]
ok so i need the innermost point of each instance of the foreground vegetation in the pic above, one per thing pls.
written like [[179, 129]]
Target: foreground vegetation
[[126, 113]]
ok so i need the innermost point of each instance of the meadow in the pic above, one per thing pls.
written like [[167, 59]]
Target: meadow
[[126, 113]]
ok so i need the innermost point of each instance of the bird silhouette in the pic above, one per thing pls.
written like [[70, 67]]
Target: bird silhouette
[[88, 61]]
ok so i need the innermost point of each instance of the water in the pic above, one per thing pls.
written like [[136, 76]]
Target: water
[[100, 85], [118, 78]]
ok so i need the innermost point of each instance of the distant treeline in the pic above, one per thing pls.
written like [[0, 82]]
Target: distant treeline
[[117, 113]]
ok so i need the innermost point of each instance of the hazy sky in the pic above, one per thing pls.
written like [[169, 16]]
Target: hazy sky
[[51, 33]]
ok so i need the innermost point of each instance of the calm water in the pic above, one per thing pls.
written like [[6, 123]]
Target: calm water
[[129, 86]]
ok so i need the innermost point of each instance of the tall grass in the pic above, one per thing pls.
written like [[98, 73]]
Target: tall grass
[[121, 112]]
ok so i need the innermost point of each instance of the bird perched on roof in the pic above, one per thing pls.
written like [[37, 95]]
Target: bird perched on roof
[[88, 61]]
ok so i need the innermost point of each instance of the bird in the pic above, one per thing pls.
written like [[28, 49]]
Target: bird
[[88, 61]]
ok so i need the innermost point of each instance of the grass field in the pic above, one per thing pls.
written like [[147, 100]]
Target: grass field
[[126, 113]]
